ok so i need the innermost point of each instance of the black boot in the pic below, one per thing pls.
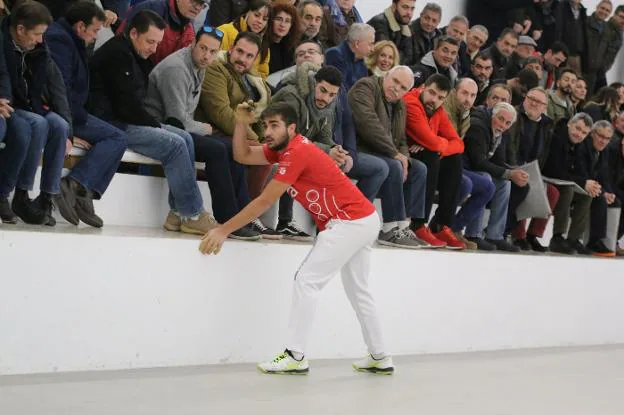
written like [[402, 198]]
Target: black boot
[[44, 202], [85, 210], [66, 201], [535, 244], [26, 209], [6, 213]]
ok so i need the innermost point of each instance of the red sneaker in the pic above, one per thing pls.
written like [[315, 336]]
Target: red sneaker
[[426, 235], [446, 235]]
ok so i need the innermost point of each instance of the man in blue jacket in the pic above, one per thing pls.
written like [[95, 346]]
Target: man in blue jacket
[[67, 40], [348, 56]]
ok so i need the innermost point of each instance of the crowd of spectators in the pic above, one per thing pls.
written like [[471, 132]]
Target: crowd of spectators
[[418, 114]]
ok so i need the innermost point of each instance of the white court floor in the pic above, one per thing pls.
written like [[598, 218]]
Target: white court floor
[[587, 381]]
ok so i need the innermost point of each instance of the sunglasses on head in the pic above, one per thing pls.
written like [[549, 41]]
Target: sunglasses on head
[[213, 31]]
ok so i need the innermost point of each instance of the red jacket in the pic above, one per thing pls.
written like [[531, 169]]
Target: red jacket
[[436, 133], [178, 34]]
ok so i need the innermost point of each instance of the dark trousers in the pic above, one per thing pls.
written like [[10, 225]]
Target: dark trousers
[[444, 175], [226, 178], [598, 219], [516, 197], [571, 205]]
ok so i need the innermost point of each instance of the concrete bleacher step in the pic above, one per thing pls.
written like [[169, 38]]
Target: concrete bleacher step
[[76, 299]]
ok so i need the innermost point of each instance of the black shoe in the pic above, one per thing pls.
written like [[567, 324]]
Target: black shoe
[[579, 247], [482, 244], [560, 245], [266, 232], [598, 248], [86, 212], [66, 201], [44, 203], [27, 210], [535, 244], [245, 234], [503, 245], [290, 230], [6, 213], [523, 244]]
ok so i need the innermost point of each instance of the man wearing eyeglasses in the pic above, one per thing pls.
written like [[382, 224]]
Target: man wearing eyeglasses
[[306, 51], [529, 138], [179, 16]]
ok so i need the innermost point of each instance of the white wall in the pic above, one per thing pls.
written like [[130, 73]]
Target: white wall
[[96, 300]]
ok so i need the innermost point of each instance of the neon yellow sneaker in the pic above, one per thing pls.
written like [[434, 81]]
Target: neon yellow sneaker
[[284, 364], [381, 367]]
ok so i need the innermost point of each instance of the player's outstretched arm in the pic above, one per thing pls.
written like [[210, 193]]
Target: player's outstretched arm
[[213, 241], [243, 152]]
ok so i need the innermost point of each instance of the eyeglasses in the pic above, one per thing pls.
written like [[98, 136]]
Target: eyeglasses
[[536, 101], [602, 136], [200, 3], [280, 19], [212, 31], [302, 53]]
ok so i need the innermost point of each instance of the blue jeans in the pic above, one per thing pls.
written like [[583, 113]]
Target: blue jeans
[[29, 134], [96, 170], [401, 200], [481, 189], [370, 172], [498, 211], [174, 148], [3, 128]]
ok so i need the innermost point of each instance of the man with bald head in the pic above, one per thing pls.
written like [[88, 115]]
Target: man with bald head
[[379, 116], [434, 141]]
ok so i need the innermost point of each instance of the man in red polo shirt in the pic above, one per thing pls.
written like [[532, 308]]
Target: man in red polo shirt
[[348, 223]]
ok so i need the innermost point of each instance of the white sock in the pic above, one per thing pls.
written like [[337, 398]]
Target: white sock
[[388, 226], [404, 224]]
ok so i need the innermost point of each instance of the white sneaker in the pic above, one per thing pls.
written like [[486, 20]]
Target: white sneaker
[[368, 364], [284, 364]]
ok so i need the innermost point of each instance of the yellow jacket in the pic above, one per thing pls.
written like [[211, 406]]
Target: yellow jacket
[[229, 36]]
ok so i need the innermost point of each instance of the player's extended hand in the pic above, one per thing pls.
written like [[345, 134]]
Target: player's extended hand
[[245, 113], [212, 242]]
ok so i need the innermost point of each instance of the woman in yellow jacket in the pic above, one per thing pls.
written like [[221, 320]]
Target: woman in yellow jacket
[[255, 20]]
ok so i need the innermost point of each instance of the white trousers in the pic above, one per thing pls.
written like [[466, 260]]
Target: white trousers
[[345, 247]]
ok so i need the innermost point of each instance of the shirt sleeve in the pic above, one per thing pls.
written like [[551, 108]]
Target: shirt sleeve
[[291, 165]]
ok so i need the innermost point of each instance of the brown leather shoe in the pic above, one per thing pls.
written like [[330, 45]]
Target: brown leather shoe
[[204, 223], [173, 222]]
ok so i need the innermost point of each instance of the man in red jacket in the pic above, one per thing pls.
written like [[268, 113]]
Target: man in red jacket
[[434, 141]]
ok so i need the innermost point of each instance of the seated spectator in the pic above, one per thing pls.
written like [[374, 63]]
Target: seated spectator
[[284, 36], [475, 39], [440, 60], [348, 57], [255, 20], [554, 57], [178, 16], [481, 71], [119, 73], [40, 122], [616, 171], [338, 16], [393, 25], [221, 12], [425, 30], [306, 51], [58, 8], [526, 48], [486, 154], [230, 81], [619, 87], [172, 98], [579, 94], [560, 161], [604, 105], [379, 117], [570, 24], [320, 115], [475, 191], [529, 138], [67, 40], [458, 28], [535, 64], [384, 57], [559, 103], [501, 51], [498, 93], [311, 19], [433, 140], [592, 165], [604, 39], [524, 81]]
